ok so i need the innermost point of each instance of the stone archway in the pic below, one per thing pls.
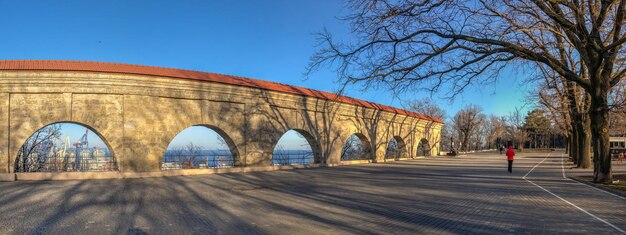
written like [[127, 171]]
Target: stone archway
[[140, 109], [357, 147], [423, 149], [214, 150], [65, 147], [396, 149], [306, 151]]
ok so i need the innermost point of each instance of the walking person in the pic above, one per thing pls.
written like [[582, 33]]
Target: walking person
[[510, 154], [501, 149]]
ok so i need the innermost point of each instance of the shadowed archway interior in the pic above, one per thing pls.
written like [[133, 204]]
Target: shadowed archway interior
[[357, 147], [396, 149], [423, 149]]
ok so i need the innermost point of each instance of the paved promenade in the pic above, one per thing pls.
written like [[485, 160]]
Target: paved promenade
[[472, 194]]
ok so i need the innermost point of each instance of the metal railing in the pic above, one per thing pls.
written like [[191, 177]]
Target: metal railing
[[68, 164], [286, 159], [197, 162], [355, 155]]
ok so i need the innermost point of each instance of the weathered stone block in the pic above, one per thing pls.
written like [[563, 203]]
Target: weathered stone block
[[31, 112], [4, 132], [150, 124], [139, 115]]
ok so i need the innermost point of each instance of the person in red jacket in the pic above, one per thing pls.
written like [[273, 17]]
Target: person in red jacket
[[510, 154]]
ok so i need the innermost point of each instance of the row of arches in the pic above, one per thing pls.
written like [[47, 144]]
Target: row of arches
[[74, 147]]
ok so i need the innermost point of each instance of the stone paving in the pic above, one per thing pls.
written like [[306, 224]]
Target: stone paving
[[471, 194]]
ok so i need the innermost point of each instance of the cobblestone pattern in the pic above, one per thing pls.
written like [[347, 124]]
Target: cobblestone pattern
[[465, 195]]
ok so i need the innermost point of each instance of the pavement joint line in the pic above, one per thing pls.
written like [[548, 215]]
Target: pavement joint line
[[531, 170], [568, 202], [595, 188], [575, 206]]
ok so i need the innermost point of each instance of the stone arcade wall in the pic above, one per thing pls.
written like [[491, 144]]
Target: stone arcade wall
[[138, 115]]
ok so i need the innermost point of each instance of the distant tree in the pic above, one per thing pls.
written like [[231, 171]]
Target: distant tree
[[426, 106], [538, 127], [478, 137], [495, 128], [567, 100], [557, 110], [515, 128], [466, 123], [447, 136], [186, 157], [192, 155]]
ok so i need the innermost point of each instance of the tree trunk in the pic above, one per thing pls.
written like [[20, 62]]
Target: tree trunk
[[465, 146], [599, 114], [574, 143], [584, 142]]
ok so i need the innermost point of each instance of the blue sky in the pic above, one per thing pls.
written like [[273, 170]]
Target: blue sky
[[197, 135], [75, 132], [208, 139], [269, 40]]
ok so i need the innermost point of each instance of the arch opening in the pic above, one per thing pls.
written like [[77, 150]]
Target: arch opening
[[423, 149], [198, 147], [65, 147], [296, 147], [356, 147], [396, 149]]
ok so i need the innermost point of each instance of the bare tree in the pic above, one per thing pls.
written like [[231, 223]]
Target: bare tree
[[447, 137], [406, 44], [186, 157], [568, 100], [192, 155], [31, 157], [515, 128], [495, 128], [426, 106], [478, 140], [558, 112], [466, 122], [618, 109]]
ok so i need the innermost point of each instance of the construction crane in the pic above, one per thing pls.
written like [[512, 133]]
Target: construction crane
[[82, 142], [79, 145], [66, 144]]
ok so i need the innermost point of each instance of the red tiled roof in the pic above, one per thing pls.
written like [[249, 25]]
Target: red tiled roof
[[61, 65]]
